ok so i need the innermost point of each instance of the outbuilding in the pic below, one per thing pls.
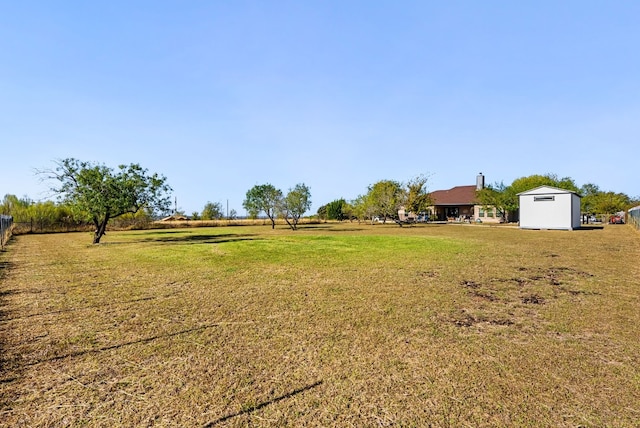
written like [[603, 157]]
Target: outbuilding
[[547, 207]]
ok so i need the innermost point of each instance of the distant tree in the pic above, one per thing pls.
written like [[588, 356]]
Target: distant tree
[[233, 214], [499, 196], [138, 220], [385, 198], [589, 193], [263, 198], [523, 184], [364, 208], [16, 207], [212, 211], [322, 212], [610, 202], [358, 208], [252, 214], [589, 189], [348, 211], [295, 204], [45, 215], [104, 194], [418, 199], [335, 210]]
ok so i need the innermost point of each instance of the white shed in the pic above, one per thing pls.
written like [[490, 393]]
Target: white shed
[[547, 207]]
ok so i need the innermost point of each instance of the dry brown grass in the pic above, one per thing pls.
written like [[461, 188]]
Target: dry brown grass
[[332, 325]]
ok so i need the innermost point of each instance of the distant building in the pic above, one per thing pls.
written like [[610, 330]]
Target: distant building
[[547, 207], [459, 204], [175, 217]]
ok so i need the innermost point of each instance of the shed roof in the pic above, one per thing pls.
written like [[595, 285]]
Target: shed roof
[[459, 195], [547, 190]]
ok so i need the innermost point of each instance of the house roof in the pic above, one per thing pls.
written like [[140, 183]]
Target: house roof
[[175, 217], [459, 195]]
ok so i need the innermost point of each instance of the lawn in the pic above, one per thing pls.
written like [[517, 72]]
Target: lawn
[[330, 325]]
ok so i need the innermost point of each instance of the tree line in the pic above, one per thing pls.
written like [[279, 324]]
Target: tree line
[[96, 195], [385, 198], [213, 211]]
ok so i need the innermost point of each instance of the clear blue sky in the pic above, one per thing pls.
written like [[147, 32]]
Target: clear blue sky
[[222, 95]]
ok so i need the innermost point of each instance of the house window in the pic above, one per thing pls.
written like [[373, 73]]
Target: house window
[[481, 212], [543, 198], [490, 212]]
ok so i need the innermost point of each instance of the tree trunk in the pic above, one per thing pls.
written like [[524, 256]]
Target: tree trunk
[[100, 230], [292, 225]]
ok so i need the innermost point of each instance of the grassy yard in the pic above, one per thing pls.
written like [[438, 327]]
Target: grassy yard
[[331, 325]]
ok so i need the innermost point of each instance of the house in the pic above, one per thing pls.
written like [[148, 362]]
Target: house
[[459, 204], [547, 207], [453, 204]]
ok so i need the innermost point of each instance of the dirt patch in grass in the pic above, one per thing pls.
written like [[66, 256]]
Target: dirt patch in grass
[[533, 300], [502, 298], [470, 284]]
